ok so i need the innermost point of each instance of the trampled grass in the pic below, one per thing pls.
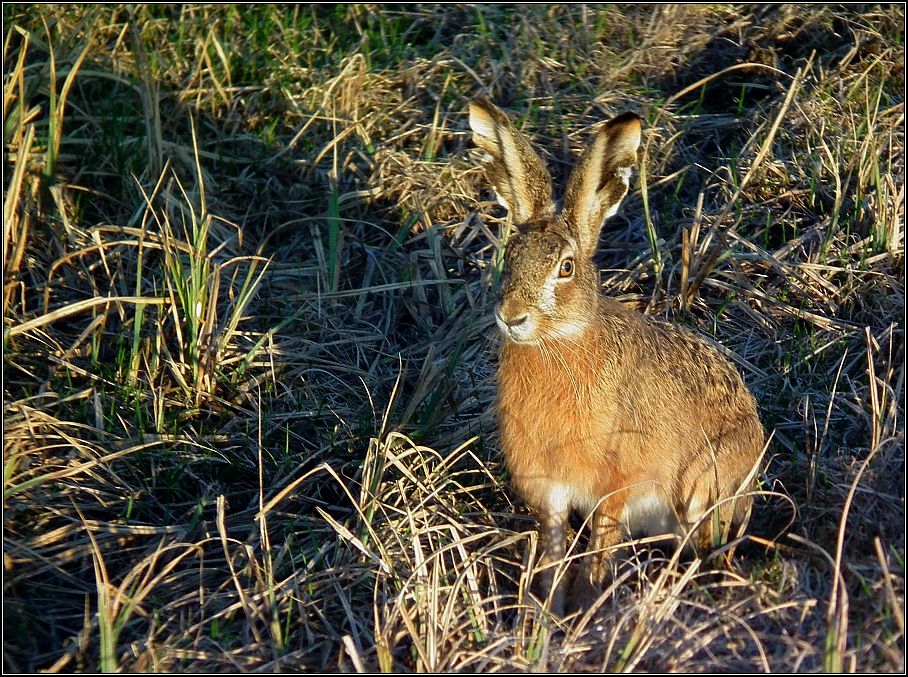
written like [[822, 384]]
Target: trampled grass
[[249, 263]]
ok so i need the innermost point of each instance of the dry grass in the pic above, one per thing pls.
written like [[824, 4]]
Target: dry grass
[[248, 356]]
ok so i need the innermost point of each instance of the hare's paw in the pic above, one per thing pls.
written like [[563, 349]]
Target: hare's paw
[[590, 582]]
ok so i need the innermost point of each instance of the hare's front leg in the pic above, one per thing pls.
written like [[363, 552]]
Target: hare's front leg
[[552, 522], [605, 532]]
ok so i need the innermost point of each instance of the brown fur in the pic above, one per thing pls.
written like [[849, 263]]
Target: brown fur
[[602, 409]]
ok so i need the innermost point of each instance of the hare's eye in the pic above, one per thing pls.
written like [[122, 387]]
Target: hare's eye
[[567, 268]]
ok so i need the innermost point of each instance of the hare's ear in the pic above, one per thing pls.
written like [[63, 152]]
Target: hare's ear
[[514, 169], [601, 179]]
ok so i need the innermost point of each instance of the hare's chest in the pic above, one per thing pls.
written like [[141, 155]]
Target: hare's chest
[[548, 431], [554, 399], [540, 410]]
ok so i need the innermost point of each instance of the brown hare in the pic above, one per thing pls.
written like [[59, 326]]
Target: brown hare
[[602, 409]]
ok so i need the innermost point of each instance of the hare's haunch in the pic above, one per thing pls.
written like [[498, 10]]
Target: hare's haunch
[[601, 409]]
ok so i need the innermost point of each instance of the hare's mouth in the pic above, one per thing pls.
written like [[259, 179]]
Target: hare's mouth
[[519, 328]]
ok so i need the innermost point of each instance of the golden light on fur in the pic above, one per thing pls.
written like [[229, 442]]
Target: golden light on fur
[[633, 421]]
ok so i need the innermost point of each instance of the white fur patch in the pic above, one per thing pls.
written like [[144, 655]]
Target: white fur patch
[[612, 210], [624, 173], [569, 329], [695, 510], [547, 297], [563, 497], [592, 203], [560, 498], [649, 513], [481, 123]]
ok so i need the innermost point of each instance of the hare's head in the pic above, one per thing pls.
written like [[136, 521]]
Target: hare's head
[[551, 284]]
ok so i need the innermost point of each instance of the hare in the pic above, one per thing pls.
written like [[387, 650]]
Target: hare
[[601, 409]]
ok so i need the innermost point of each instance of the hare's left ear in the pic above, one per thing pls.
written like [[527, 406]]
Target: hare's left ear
[[601, 179]]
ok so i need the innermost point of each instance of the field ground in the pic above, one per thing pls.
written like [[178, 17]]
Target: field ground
[[249, 260]]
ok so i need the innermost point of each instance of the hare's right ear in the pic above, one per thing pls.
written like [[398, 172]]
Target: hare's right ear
[[600, 180], [515, 171]]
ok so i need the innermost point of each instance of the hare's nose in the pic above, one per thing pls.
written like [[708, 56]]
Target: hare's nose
[[517, 321], [510, 321]]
